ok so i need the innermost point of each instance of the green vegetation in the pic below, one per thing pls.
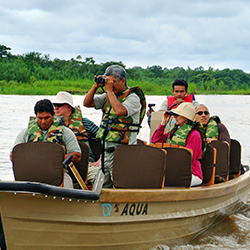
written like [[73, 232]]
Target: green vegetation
[[35, 74]]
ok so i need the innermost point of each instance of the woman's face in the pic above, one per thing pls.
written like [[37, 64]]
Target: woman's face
[[202, 115], [62, 109], [180, 120]]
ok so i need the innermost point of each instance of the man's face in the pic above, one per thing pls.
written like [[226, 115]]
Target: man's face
[[118, 86], [179, 92], [44, 120]]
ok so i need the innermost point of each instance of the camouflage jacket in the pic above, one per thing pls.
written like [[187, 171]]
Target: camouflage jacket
[[76, 125], [212, 130], [115, 128], [178, 136], [54, 131]]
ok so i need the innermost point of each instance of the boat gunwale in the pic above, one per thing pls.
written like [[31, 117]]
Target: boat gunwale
[[133, 195], [45, 189], [175, 193]]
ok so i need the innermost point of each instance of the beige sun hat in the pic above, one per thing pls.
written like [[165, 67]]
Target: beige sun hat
[[185, 109], [64, 97]]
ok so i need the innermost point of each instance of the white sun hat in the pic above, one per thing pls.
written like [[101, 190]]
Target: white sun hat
[[185, 109], [64, 97]]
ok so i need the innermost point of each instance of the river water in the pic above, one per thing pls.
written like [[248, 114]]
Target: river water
[[230, 232]]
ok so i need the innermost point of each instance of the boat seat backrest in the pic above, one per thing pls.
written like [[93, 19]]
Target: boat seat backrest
[[141, 142], [208, 165], [178, 167], [222, 161], [38, 162], [96, 147], [235, 157], [82, 165], [138, 166]]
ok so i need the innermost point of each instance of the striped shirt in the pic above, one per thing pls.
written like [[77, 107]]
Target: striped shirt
[[91, 129]]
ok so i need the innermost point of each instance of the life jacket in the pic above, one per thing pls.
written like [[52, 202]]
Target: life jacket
[[178, 135], [118, 128], [171, 100], [54, 131], [212, 130], [76, 125]]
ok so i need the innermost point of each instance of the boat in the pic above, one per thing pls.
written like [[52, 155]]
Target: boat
[[43, 216]]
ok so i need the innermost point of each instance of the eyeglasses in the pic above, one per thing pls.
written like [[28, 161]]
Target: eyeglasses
[[59, 105], [201, 113]]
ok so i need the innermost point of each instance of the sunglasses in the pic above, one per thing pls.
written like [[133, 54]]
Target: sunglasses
[[59, 105], [201, 113]]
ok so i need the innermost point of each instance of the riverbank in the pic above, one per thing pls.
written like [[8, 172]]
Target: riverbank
[[82, 87]]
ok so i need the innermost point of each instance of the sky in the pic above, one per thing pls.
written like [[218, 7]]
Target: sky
[[166, 33]]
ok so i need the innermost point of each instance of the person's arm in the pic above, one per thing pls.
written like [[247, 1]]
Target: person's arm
[[71, 145], [223, 133], [90, 126], [21, 138], [132, 105], [76, 156], [195, 103], [194, 142], [89, 98], [158, 135], [164, 106], [119, 109]]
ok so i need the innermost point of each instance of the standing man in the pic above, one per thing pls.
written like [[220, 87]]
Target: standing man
[[44, 127], [123, 110], [83, 128]]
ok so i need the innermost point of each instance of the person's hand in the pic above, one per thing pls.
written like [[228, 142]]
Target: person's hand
[[109, 84], [178, 101], [97, 85], [209, 140], [96, 163], [165, 119]]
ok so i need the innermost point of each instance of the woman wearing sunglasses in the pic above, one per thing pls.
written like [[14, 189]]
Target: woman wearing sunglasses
[[214, 129], [83, 128]]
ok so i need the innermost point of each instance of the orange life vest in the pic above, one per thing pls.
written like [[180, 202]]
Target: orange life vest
[[171, 100]]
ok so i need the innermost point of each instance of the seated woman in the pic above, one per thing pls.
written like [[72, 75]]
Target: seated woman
[[214, 129], [184, 133]]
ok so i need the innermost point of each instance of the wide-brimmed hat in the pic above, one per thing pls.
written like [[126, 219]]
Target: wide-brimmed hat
[[64, 97], [185, 109]]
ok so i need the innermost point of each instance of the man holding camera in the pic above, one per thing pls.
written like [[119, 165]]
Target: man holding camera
[[123, 110]]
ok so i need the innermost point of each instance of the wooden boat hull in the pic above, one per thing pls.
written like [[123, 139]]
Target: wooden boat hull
[[119, 219]]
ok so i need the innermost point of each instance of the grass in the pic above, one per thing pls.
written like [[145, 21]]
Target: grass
[[83, 86]]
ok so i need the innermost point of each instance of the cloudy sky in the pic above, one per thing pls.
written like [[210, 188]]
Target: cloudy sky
[[142, 33]]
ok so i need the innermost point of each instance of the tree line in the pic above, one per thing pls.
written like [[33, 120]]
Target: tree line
[[33, 66]]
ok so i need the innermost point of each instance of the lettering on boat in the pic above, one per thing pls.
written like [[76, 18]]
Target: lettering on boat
[[135, 209], [128, 209]]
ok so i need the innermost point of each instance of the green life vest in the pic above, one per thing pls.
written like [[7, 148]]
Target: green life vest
[[178, 136], [76, 125], [212, 130], [118, 128], [54, 131]]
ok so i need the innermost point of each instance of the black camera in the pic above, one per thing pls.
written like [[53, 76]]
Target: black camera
[[101, 80]]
